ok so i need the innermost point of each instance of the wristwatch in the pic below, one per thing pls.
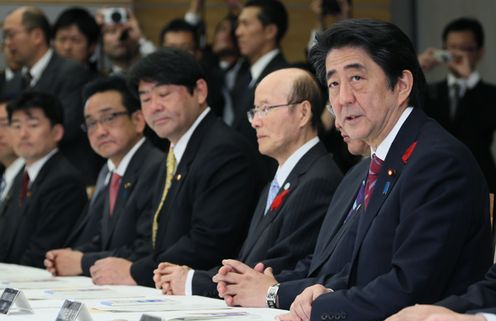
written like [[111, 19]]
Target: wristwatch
[[271, 296]]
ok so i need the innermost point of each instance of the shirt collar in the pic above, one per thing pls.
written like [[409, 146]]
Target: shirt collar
[[39, 67], [285, 169], [385, 145], [257, 68], [464, 83], [121, 169], [182, 143], [35, 168]]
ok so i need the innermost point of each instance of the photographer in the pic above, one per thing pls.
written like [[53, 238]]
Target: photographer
[[463, 103], [122, 39]]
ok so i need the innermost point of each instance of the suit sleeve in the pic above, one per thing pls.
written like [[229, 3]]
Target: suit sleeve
[[480, 295], [436, 215]]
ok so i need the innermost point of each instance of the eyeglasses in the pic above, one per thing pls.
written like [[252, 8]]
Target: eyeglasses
[[108, 120], [329, 109], [263, 110]]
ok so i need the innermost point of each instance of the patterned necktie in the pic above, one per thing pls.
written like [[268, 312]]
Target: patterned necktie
[[24, 187], [374, 170], [358, 201], [171, 169], [274, 189], [115, 183]]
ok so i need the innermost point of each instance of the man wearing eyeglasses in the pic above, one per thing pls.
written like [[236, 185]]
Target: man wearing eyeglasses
[[48, 194], [290, 210], [115, 126], [463, 103]]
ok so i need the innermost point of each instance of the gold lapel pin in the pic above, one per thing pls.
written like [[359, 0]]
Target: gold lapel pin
[[128, 185], [391, 172], [29, 194], [178, 177]]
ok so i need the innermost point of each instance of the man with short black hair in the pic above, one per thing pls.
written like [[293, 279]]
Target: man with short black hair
[[48, 195], [115, 124], [463, 103]]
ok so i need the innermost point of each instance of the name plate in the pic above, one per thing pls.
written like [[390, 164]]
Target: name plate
[[13, 297], [146, 317], [72, 311]]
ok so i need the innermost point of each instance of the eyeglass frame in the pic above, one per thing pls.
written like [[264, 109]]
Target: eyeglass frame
[[104, 120], [264, 110]]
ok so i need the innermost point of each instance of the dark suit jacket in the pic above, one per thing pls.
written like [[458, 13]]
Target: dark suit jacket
[[43, 222], [126, 233], [325, 260], [65, 79], [427, 217], [89, 223], [208, 207], [283, 236], [474, 123], [480, 296]]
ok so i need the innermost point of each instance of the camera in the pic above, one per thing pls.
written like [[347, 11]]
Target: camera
[[114, 16], [331, 7], [443, 56]]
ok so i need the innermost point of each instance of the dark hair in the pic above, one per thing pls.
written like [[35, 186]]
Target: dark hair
[[80, 18], [466, 24], [167, 66], [113, 83], [49, 104], [233, 22], [180, 25], [271, 12], [33, 18], [305, 87], [384, 42]]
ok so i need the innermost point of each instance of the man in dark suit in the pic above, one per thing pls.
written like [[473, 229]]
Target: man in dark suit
[[47, 197], [423, 210], [479, 298], [208, 191], [261, 26], [289, 105], [27, 37], [115, 128], [463, 103]]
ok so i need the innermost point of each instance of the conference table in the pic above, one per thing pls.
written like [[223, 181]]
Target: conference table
[[49, 297]]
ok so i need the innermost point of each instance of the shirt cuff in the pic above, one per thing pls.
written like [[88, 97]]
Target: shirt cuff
[[488, 316], [188, 286]]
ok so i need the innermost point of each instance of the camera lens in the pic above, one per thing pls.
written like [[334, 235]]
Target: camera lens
[[116, 16]]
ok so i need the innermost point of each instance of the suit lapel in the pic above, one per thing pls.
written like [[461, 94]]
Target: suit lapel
[[336, 215], [125, 189], [264, 221], [390, 173], [182, 171]]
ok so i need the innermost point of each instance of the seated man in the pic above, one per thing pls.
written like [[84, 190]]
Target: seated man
[[290, 211], [207, 192], [115, 126], [422, 212], [48, 194]]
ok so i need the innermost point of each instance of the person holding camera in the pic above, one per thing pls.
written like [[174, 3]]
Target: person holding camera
[[122, 39], [463, 103]]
